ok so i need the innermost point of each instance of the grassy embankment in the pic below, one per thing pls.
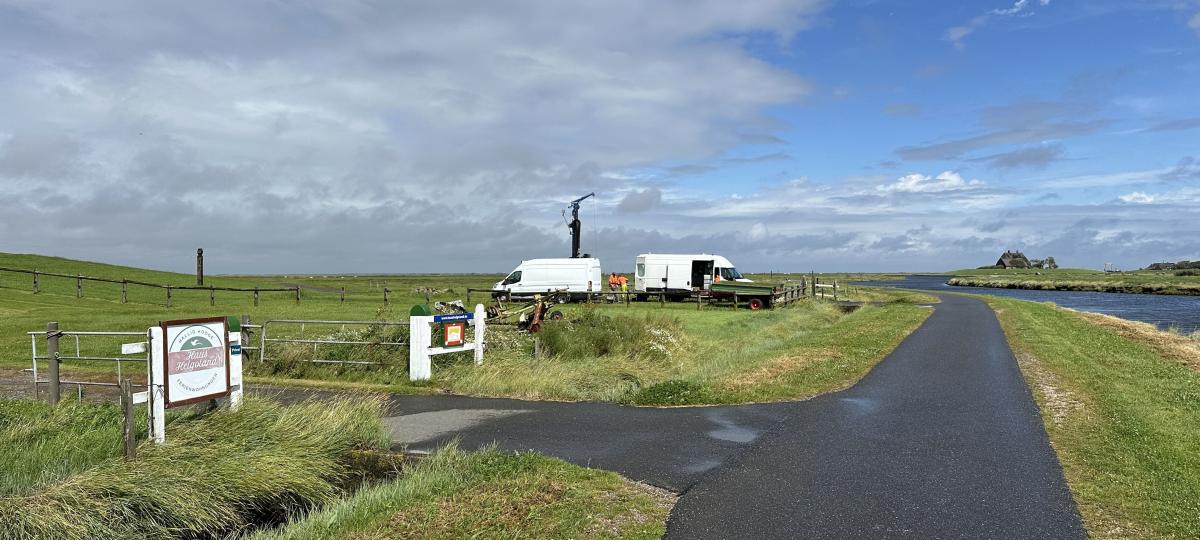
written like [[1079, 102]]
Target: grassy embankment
[[488, 494], [1121, 403], [217, 474], [226, 473], [645, 353], [1070, 279]]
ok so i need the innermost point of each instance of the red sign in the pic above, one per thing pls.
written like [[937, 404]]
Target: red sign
[[454, 333]]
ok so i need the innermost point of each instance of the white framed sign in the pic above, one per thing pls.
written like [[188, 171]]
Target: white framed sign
[[195, 360]]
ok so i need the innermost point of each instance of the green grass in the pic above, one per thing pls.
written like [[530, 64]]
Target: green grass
[[40, 444], [1071, 279], [793, 352], [1123, 415], [489, 494], [217, 474]]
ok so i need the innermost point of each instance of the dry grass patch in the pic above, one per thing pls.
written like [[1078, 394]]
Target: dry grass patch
[[779, 367], [1174, 346]]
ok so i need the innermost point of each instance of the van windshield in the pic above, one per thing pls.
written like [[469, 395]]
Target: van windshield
[[730, 273], [514, 277]]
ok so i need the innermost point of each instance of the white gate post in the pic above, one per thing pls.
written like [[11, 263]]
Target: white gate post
[[420, 338], [154, 387], [480, 330], [235, 370]]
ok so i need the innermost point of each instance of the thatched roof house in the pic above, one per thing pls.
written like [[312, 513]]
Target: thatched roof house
[[1013, 259]]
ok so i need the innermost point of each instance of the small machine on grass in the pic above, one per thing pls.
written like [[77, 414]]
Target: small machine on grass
[[528, 316]]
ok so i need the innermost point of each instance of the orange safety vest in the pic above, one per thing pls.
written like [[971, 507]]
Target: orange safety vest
[[622, 280]]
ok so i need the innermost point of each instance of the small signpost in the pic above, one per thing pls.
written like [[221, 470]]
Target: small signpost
[[192, 361], [421, 349]]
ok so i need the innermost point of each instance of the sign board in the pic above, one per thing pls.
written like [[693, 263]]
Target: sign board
[[195, 360], [453, 317], [454, 333]]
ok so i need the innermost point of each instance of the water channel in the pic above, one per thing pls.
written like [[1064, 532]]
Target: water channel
[[1165, 311]]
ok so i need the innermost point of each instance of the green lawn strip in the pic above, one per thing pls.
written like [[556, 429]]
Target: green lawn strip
[[217, 474], [1071, 279], [1124, 420], [716, 344], [489, 494]]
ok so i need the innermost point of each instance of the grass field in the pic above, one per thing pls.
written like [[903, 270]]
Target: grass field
[[712, 355], [489, 494], [1071, 279], [217, 474], [1121, 403]]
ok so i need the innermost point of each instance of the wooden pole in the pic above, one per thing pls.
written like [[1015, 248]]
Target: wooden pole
[[297, 294], [343, 298], [52, 335], [199, 267], [128, 433], [385, 295], [212, 296], [168, 296], [735, 301], [256, 297], [124, 291], [78, 286], [36, 288]]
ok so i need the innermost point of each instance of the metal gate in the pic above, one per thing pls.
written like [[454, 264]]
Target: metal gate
[[264, 339]]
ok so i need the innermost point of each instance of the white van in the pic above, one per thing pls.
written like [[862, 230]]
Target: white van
[[577, 277], [680, 275]]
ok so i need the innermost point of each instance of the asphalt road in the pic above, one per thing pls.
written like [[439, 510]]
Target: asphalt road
[[941, 440]]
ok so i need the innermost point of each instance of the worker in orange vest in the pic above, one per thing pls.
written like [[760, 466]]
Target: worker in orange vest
[[623, 282], [613, 284]]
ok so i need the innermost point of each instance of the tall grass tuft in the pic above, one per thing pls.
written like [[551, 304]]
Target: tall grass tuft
[[649, 336], [40, 443], [215, 477]]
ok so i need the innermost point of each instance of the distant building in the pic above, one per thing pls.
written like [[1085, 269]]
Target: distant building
[[1013, 259]]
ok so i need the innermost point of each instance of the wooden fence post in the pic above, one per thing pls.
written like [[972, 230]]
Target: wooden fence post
[[627, 301], [124, 291], [212, 296], [344, 295], [662, 300], [78, 286], [835, 290], [128, 433], [385, 295], [36, 288], [297, 294], [735, 301], [52, 335], [255, 296], [168, 296]]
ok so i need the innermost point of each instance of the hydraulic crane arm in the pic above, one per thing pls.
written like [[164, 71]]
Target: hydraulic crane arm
[[575, 224]]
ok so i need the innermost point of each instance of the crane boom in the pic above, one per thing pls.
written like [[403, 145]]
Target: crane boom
[[576, 224]]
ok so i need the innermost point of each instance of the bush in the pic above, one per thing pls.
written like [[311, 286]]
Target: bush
[[1182, 273], [651, 337], [214, 477], [672, 392]]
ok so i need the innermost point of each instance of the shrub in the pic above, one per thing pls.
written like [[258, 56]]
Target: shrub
[[672, 392], [651, 337], [1182, 273]]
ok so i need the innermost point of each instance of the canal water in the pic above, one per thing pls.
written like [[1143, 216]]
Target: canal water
[[1165, 311]]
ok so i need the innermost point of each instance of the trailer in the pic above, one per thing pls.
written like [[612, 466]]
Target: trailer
[[756, 296]]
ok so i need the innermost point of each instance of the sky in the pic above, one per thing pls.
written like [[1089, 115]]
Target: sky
[[792, 135]]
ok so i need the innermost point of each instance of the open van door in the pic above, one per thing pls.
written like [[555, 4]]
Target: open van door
[[702, 273]]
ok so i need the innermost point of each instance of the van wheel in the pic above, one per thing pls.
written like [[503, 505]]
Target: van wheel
[[555, 315], [755, 304]]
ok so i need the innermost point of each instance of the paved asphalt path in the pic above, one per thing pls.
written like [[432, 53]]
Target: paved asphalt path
[[941, 440]]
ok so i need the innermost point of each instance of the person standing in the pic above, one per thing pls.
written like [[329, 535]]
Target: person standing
[[623, 282]]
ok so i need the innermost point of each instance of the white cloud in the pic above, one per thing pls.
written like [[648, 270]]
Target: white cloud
[[956, 34], [921, 183], [1137, 197], [1194, 23]]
